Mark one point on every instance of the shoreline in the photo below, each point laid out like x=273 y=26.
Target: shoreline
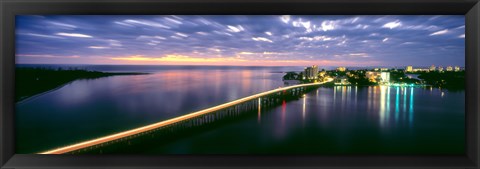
x=331 y=84
x=49 y=80
x=30 y=98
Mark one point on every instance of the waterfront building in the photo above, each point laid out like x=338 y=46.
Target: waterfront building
x=409 y=69
x=449 y=68
x=385 y=77
x=378 y=77
x=373 y=76
x=311 y=72
x=380 y=69
x=341 y=81
x=341 y=69
x=457 y=68
x=421 y=70
x=432 y=68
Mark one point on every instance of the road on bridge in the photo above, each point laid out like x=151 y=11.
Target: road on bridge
x=139 y=130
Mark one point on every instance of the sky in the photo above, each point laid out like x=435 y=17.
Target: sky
x=269 y=40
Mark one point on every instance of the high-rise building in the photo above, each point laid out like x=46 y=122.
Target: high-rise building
x=409 y=69
x=378 y=77
x=432 y=68
x=341 y=69
x=311 y=72
x=341 y=81
x=385 y=77
x=449 y=68
x=457 y=68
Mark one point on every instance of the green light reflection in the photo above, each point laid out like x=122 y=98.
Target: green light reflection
x=411 y=107
x=397 y=102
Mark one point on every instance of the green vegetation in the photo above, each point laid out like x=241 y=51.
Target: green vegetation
x=399 y=76
x=33 y=81
x=293 y=76
x=448 y=80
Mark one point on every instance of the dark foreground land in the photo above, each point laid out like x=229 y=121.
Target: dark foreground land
x=33 y=81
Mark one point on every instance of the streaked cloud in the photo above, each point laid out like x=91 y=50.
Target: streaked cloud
x=63 y=25
x=261 y=53
x=174 y=21
x=285 y=18
x=439 y=32
x=202 y=33
x=146 y=23
x=262 y=39
x=181 y=34
x=235 y=29
x=98 y=47
x=273 y=40
x=123 y=24
x=77 y=35
x=316 y=38
x=46 y=56
x=328 y=25
x=422 y=27
x=392 y=25
x=43 y=36
x=301 y=23
x=115 y=43
x=364 y=55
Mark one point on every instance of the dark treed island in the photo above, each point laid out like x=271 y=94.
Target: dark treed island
x=33 y=81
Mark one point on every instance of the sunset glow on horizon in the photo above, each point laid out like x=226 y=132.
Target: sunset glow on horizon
x=241 y=40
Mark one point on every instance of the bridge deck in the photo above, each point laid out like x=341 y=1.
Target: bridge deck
x=169 y=121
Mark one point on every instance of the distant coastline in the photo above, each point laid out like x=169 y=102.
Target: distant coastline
x=450 y=79
x=32 y=82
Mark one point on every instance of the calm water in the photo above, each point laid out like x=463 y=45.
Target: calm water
x=339 y=120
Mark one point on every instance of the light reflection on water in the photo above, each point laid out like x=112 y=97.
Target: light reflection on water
x=411 y=114
x=328 y=120
x=97 y=107
x=381 y=98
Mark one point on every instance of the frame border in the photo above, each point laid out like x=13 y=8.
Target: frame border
x=10 y=8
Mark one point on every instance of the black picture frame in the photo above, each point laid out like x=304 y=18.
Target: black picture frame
x=10 y=8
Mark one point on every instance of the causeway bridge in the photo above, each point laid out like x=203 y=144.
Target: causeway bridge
x=227 y=110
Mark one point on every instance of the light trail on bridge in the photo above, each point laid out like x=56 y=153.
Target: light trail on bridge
x=153 y=126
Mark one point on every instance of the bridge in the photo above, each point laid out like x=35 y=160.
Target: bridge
x=209 y=115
